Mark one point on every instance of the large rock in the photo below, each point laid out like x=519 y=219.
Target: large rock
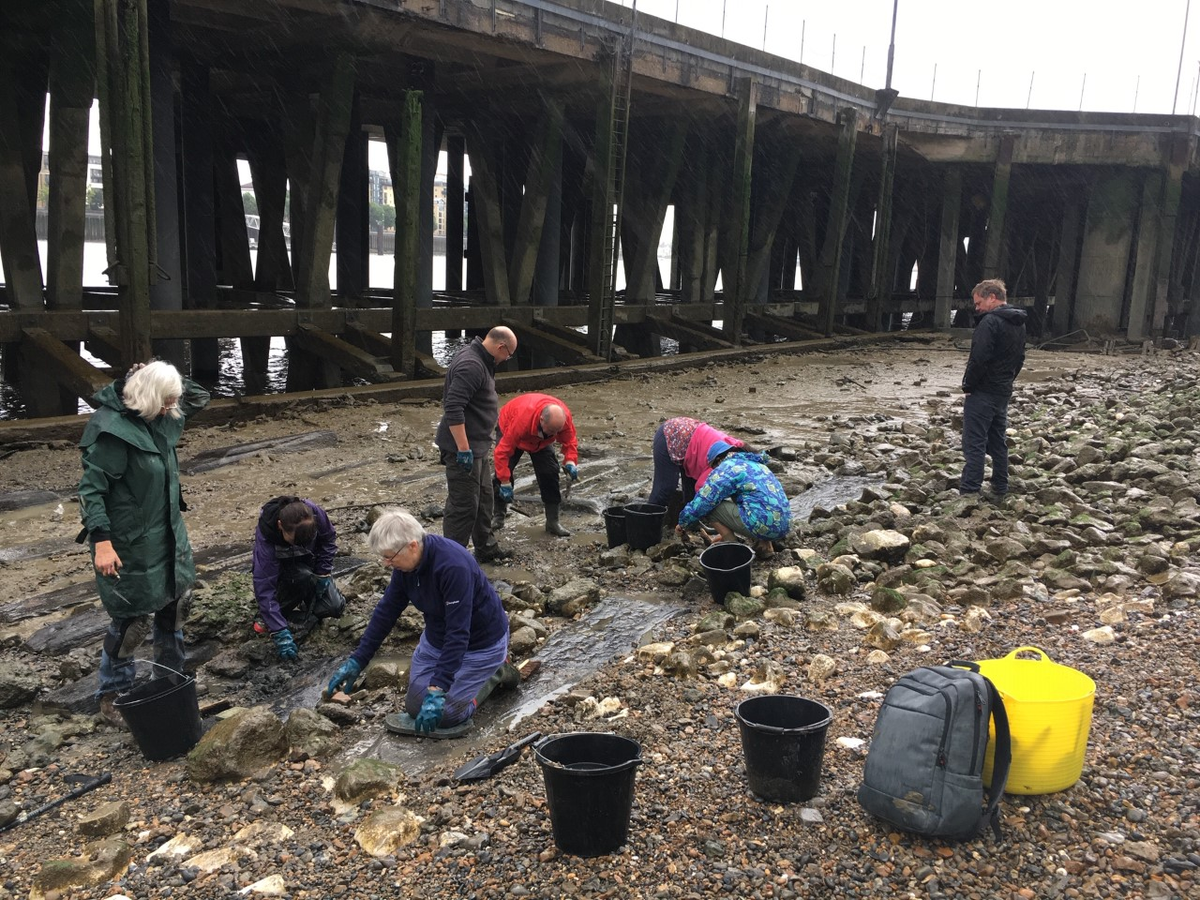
x=310 y=734
x=883 y=544
x=106 y=819
x=239 y=746
x=741 y=607
x=383 y=832
x=887 y=600
x=366 y=777
x=522 y=641
x=18 y=684
x=835 y=578
x=101 y=862
x=573 y=597
x=790 y=579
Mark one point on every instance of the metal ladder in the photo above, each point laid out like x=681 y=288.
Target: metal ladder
x=622 y=81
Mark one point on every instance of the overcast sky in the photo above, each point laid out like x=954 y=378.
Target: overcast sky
x=999 y=44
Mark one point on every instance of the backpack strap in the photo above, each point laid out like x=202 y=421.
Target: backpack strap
x=1001 y=761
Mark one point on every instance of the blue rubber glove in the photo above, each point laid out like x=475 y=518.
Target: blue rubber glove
x=466 y=459
x=432 y=708
x=506 y=493
x=323 y=582
x=343 y=679
x=285 y=644
x=572 y=470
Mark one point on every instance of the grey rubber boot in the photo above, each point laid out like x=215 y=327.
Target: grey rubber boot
x=499 y=513
x=552 y=526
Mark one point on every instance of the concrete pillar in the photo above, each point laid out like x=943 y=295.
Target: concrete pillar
x=993 y=254
x=1104 y=259
x=736 y=281
x=353 y=219
x=1145 y=259
x=1166 y=290
x=1068 y=258
x=546 y=278
x=455 y=154
x=948 y=247
x=199 y=205
x=835 y=229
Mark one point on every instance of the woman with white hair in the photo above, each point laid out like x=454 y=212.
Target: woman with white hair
x=461 y=656
x=132 y=509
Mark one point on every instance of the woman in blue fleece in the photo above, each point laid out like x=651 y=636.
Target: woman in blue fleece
x=461 y=655
x=740 y=496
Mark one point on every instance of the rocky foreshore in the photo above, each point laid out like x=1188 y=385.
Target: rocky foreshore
x=1094 y=558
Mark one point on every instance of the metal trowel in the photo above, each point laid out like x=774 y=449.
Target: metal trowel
x=486 y=766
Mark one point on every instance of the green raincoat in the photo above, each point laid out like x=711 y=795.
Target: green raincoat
x=129 y=494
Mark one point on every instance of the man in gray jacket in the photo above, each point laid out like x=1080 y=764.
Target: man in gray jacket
x=470 y=409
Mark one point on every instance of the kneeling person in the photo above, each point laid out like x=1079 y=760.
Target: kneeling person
x=741 y=496
x=461 y=656
x=294 y=546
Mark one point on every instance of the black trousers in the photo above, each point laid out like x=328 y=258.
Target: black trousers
x=545 y=468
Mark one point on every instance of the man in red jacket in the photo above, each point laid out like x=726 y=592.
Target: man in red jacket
x=530 y=423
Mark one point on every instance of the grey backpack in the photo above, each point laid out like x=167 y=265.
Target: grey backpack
x=924 y=767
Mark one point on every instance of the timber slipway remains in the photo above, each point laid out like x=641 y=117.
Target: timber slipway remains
x=583 y=122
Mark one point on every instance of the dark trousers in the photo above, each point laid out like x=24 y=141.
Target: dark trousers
x=545 y=468
x=300 y=599
x=667 y=475
x=985 y=417
x=468 y=501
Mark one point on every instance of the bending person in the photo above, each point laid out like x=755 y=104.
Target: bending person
x=132 y=508
x=461 y=656
x=530 y=423
x=294 y=547
x=681 y=448
x=740 y=496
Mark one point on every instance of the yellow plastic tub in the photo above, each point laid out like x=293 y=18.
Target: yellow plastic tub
x=1049 y=710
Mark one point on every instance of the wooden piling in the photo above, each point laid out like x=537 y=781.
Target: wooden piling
x=948 y=247
x=406 y=178
x=835 y=229
x=882 y=275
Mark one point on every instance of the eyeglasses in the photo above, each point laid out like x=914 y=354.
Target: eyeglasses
x=170 y=406
x=388 y=557
x=507 y=352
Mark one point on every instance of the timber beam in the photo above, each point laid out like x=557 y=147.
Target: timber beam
x=66 y=367
x=537 y=338
x=695 y=334
x=571 y=336
x=105 y=343
x=342 y=354
x=784 y=328
x=378 y=345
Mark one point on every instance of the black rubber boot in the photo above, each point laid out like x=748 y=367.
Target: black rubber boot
x=499 y=513
x=552 y=526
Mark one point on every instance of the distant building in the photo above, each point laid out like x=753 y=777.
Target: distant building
x=95 y=179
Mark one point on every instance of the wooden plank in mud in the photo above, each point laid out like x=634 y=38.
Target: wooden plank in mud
x=89 y=625
x=21 y=499
x=224 y=456
x=208 y=561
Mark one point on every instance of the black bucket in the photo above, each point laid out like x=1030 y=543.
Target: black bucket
x=614 y=525
x=644 y=524
x=783 y=739
x=726 y=565
x=589 y=789
x=163 y=714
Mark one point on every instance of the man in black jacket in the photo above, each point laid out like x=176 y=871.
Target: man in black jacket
x=470 y=409
x=997 y=354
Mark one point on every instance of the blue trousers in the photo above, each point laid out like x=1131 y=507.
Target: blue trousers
x=985 y=418
x=476 y=668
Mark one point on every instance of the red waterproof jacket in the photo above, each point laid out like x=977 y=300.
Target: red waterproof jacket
x=519 y=419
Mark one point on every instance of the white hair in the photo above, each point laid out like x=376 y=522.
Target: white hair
x=151 y=388
x=394 y=530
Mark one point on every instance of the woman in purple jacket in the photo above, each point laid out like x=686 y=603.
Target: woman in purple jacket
x=294 y=546
x=461 y=656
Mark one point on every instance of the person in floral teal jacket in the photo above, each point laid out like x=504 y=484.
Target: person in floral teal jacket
x=741 y=496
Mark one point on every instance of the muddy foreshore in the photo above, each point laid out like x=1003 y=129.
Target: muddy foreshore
x=1095 y=559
